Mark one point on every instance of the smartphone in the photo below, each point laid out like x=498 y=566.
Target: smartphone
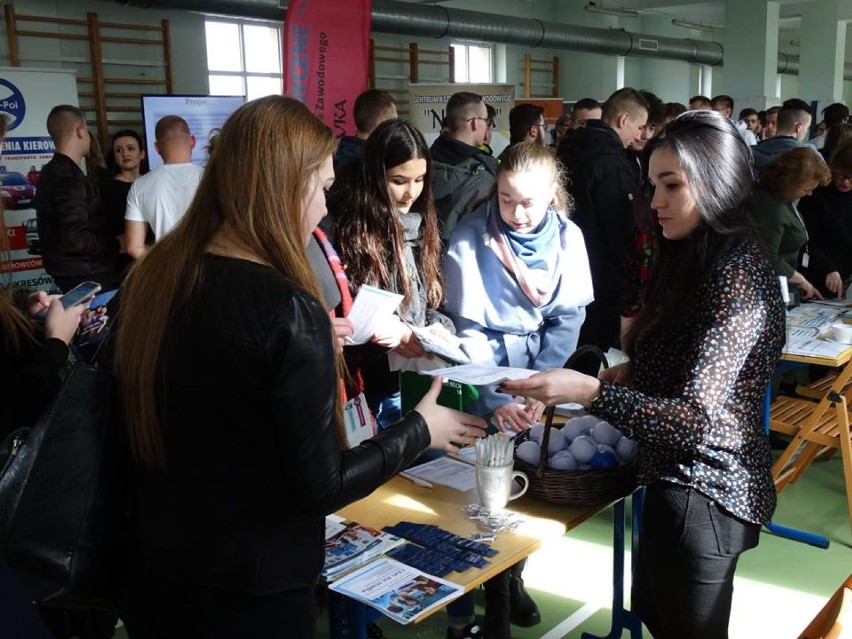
x=80 y=294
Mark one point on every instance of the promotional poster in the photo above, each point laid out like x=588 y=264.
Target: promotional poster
x=428 y=103
x=326 y=57
x=26 y=98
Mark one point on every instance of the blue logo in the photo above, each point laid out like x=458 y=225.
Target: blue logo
x=12 y=104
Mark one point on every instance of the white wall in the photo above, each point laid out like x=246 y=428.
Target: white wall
x=188 y=47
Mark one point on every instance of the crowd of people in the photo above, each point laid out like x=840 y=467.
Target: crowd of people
x=653 y=227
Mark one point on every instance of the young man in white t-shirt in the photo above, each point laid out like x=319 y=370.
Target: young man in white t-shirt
x=160 y=198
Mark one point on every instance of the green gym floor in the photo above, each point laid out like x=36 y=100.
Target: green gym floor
x=779 y=586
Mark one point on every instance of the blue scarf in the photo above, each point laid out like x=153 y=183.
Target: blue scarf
x=532 y=258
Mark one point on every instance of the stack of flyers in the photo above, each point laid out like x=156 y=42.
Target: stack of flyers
x=353 y=546
x=398 y=591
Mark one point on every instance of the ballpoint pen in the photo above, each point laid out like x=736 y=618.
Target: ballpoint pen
x=416 y=480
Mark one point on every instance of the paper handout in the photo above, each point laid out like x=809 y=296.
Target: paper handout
x=401 y=592
x=371 y=307
x=481 y=375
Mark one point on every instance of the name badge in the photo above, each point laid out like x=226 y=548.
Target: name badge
x=358 y=421
x=806 y=259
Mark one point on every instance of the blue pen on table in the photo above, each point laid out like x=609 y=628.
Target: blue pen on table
x=416 y=480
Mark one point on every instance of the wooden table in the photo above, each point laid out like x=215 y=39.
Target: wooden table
x=815 y=421
x=401 y=500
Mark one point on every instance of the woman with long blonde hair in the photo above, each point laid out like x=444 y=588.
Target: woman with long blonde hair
x=227 y=371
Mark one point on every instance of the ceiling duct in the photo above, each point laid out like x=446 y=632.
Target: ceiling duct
x=257 y=9
x=432 y=21
x=436 y=21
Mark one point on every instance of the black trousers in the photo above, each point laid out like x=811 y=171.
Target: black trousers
x=161 y=615
x=688 y=552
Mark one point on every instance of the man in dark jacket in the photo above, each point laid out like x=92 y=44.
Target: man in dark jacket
x=71 y=227
x=603 y=179
x=371 y=108
x=792 y=126
x=462 y=173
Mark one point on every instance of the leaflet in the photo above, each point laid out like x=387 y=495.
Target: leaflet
x=353 y=546
x=446 y=471
x=398 y=591
x=480 y=374
x=371 y=307
x=814 y=347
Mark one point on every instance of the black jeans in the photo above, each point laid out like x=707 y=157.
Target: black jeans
x=688 y=551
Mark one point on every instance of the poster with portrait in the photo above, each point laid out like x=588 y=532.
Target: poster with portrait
x=26 y=98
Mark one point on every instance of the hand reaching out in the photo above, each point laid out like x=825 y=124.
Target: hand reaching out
x=447 y=427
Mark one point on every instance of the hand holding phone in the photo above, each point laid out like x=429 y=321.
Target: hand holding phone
x=79 y=294
x=62 y=323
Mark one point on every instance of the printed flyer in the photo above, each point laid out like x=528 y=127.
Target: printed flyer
x=400 y=592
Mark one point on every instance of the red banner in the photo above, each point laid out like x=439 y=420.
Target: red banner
x=326 y=57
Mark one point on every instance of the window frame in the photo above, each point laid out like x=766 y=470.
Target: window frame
x=480 y=45
x=244 y=74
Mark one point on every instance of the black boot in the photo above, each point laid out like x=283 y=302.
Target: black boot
x=524 y=612
x=496 y=623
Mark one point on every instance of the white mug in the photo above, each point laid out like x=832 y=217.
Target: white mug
x=494 y=485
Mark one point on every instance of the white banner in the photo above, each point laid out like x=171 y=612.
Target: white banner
x=428 y=105
x=26 y=98
x=203 y=114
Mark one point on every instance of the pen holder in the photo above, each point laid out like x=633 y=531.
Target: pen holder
x=495 y=485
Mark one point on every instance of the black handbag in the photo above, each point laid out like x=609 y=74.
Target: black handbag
x=62 y=495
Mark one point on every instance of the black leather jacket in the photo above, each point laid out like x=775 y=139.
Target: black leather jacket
x=253 y=462
x=72 y=229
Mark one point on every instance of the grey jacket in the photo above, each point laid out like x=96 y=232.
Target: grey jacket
x=462 y=176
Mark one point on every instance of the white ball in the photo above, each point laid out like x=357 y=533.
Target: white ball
x=530 y=452
x=583 y=449
x=626 y=449
x=584 y=467
x=556 y=442
x=604 y=433
x=537 y=433
x=562 y=460
x=573 y=428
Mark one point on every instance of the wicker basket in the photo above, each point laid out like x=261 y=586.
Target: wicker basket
x=575 y=487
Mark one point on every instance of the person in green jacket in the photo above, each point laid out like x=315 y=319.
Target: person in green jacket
x=792 y=175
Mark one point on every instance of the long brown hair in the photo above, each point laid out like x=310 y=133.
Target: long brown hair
x=16 y=329
x=368 y=228
x=257 y=199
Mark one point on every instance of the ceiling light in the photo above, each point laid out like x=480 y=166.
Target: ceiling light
x=698 y=26
x=624 y=12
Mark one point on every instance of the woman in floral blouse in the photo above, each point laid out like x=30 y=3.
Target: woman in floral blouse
x=703 y=348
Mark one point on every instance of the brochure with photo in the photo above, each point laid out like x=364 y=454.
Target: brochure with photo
x=353 y=546
x=398 y=591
